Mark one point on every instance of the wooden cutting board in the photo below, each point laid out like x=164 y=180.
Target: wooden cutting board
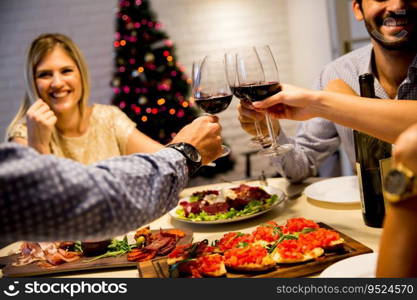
x=158 y=268
x=80 y=265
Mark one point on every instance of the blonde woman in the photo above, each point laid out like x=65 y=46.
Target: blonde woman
x=55 y=117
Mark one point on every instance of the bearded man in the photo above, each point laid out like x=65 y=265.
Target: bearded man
x=390 y=57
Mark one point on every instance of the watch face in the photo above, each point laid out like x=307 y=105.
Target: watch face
x=190 y=151
x=193 y=155
x=396 y=182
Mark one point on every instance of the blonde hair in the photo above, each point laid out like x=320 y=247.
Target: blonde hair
x=38 y=49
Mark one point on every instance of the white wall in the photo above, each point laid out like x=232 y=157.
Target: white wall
x=89 y=23
x=309 y=34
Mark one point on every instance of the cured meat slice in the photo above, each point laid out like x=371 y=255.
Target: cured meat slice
x=216 y=208
x=159 y=243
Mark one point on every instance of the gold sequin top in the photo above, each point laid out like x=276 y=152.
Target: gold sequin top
x=106 y=136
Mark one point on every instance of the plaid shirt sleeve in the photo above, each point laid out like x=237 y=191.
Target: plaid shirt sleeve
x=43 y=197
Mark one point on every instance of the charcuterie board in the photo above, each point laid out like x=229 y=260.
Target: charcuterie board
x=81 y=265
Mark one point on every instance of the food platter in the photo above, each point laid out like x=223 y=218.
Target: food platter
x=236 y=219
x=162 y=268
x=84 y=264
x=273 y=191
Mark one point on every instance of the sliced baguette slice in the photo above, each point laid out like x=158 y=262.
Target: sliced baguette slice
x=221 y=271
x=334 y=245
x=267 y=264
x=316 y=252
x=173 y=260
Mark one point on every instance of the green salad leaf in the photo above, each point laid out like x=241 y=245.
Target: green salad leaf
x=252 y=207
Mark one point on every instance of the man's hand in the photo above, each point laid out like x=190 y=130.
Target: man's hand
x=247 y=117
x=40 y=124
x=204 y=134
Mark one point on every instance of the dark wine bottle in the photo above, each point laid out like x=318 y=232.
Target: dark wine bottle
x=369 y=151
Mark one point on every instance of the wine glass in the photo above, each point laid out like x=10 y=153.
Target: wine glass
x=231 y=73
x=210 y=88
x=258 y=79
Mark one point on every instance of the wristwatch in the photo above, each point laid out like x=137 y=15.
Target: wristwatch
x=400 y=184
x=190 y=153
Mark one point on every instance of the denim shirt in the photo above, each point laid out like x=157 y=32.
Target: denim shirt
x=44 y=198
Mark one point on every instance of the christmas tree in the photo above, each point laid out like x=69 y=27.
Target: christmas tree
x=149 y=85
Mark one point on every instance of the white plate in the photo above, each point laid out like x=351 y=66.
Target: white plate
x=269 y=189
x=343 y=190
x=361 y=266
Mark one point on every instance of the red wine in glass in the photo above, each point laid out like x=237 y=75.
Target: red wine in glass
x=214 y=104
x=258 y=79
x=257 y=91
x=211 y=91
x=232 y=77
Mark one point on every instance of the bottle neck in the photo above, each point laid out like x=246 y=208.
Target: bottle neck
x=366 y=84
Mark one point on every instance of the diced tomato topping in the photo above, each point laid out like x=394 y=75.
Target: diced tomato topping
x=232 y=239
x=290 y=249
x=208 y=250
x=298 y=224
x=267 y=232
x=190 y=267
x=209 y=263
x=253 y=254
x=319 y=238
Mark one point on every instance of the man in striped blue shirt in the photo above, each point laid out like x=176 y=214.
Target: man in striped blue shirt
x=391 y=57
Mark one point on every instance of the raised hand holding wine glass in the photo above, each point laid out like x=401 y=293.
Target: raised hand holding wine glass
x=231 y=73
x=210 y=87
x=258 y=79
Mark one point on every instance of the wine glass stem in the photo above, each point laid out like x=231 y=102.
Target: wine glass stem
x=259 y=134
x=271 y=131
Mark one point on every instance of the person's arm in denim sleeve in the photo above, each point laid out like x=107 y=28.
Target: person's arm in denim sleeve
x=43 y=197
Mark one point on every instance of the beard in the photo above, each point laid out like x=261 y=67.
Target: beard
x=401 y=41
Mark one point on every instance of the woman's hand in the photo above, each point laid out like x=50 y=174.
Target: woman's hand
x=247 y=117
x=40 y=124
x=291 y=103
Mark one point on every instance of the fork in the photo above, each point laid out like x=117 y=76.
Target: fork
x=263 y=179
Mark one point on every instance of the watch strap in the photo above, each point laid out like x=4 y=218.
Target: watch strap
x=191 y=154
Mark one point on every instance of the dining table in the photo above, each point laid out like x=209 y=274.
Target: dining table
x=346 y=218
